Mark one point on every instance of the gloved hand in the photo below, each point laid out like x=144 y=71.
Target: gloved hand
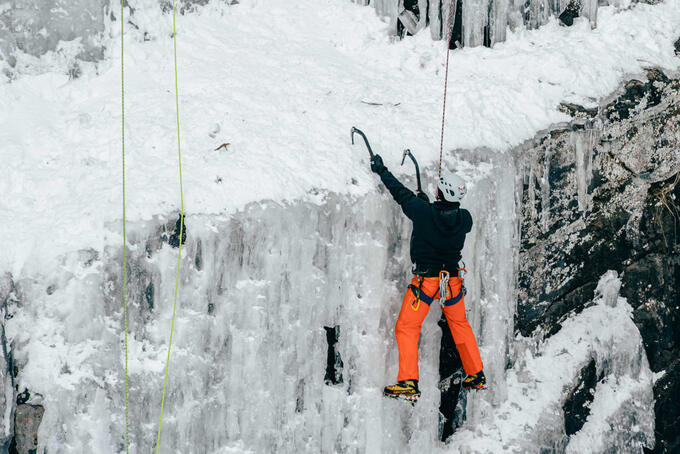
x=377 y=165
x=422 y=195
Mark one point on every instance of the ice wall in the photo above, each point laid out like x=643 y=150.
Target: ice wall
x=37 y=26
x=488 y=20
x=249 y=357
x=72 y=29
x=249 y=352
x=77 y=29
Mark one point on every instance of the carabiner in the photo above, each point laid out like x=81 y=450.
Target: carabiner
x=443 y=286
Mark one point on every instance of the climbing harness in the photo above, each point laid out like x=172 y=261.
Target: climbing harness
x=446 y=83
x=446 y=297
x=181 y=231
x=125 y=315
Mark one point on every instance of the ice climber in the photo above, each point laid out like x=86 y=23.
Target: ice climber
x=438 y=236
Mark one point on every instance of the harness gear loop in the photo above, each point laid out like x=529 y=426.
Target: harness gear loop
x=416 y=303
x=443 y=286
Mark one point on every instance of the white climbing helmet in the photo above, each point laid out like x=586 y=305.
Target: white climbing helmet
x=452 y=186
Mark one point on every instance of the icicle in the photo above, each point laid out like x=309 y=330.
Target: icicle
x=608 y=288
x=589 y=10
x=498 y=21
x=435 y=17
x=545 y=192
x=582 y=141
x=532 y=192
x=386 y=8
x=537 y=13
x=475 y=18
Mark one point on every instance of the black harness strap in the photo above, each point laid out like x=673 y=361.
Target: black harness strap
x=421 y=296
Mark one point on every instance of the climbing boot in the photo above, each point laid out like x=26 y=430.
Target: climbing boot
x=475 y=381
x=406 y=390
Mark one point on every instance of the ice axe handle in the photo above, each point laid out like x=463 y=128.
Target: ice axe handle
x=408 y=153
x=360 y=132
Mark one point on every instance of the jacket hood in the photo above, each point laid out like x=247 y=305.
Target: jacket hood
x=447 y=216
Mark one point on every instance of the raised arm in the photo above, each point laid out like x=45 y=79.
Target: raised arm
x=409 y=202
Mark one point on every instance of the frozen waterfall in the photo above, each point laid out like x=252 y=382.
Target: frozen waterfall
x=249 y=353
x=267 y=284
x=486 y=21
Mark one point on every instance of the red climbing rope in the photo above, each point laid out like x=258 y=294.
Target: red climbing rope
x=446 y=83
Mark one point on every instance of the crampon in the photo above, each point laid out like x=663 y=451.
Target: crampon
x=406 y=390
x=475 y=381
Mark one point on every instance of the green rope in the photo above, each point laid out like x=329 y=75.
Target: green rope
x=125 y=302
x=181 y=230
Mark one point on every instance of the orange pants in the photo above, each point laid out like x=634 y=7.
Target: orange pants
x=411 y=319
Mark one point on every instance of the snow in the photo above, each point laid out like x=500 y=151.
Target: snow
x=287 y=233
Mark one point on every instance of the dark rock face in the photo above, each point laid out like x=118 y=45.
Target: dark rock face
x=300 y=400
x=333 y=360
x=653 y=280
x=9 y=298
x=27 y=419
x=180 y=228
x=21 y=435
x=637 y=92
x=667 y=428
x=578 y=112
x=184 y=7
x=576 y=407
x=604 y=194
x=456 y=39
x=571 y=12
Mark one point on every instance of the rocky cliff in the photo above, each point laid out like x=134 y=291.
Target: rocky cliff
x=602 y=193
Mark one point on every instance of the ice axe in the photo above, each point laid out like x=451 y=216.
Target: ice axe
x=408 y=153
x=361 y=133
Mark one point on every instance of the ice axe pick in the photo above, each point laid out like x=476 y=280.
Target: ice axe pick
x=408 y=153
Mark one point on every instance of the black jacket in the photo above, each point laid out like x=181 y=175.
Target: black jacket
x=439 y=228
